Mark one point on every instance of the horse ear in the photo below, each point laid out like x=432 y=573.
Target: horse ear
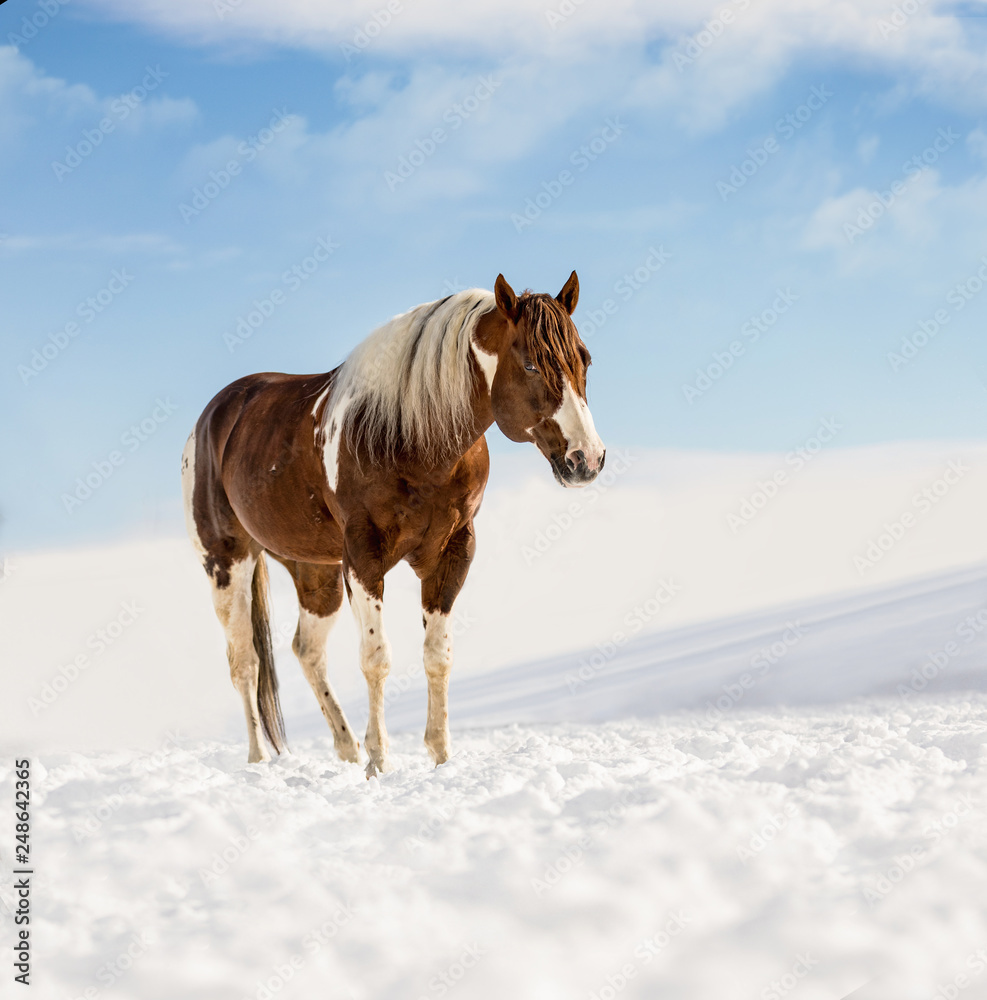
x=569 y=295
x=506 y=299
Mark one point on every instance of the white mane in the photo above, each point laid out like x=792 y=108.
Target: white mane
x=410 y=382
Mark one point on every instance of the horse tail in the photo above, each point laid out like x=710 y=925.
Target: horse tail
x=267 y=685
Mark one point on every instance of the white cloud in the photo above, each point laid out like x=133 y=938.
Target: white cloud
x=870 y=231
x=867 y=147
x=29 y=97
x=716 y=56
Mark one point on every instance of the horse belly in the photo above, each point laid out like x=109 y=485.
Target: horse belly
x=285 y=511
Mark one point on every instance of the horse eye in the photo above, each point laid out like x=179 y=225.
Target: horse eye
x=529 y=367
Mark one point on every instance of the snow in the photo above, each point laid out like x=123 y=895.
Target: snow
x=767 y=782
x=546 y=855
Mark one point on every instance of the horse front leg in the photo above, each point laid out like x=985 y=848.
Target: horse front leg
x=365 y=585
x=439 y=591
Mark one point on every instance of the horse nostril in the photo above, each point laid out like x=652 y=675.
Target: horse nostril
x=603 y=459
x=574 y=460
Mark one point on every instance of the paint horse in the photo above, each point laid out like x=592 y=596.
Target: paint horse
x=341 y=475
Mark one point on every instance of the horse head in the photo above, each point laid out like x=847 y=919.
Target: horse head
x=539 y=388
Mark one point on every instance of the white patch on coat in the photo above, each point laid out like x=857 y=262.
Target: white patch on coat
x=188 y=489
x=576 y=423
x=318 y=403
x=487 y=363
x=334 y=435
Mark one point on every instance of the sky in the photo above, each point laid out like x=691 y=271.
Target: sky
x=777 y=210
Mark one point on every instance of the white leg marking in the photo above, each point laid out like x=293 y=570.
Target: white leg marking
x=232 y=606
x=576 y=423
x=438 y=664
x=375 y=662
x=309 y=645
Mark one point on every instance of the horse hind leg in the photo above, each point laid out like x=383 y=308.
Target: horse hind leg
x=320 y=598
x=236 y=569
x=251 y=670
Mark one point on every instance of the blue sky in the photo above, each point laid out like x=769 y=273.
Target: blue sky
x=114 y=115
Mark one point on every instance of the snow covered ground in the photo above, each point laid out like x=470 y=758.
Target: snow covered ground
x=689 y=761
x=820 y=849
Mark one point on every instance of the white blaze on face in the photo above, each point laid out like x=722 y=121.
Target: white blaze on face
x=576 y=423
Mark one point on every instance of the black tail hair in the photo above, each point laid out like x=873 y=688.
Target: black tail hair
x=267 y=687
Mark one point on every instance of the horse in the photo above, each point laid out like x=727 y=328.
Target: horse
x=341 y=475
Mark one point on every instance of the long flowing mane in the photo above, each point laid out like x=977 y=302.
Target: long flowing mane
x=409 y=385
